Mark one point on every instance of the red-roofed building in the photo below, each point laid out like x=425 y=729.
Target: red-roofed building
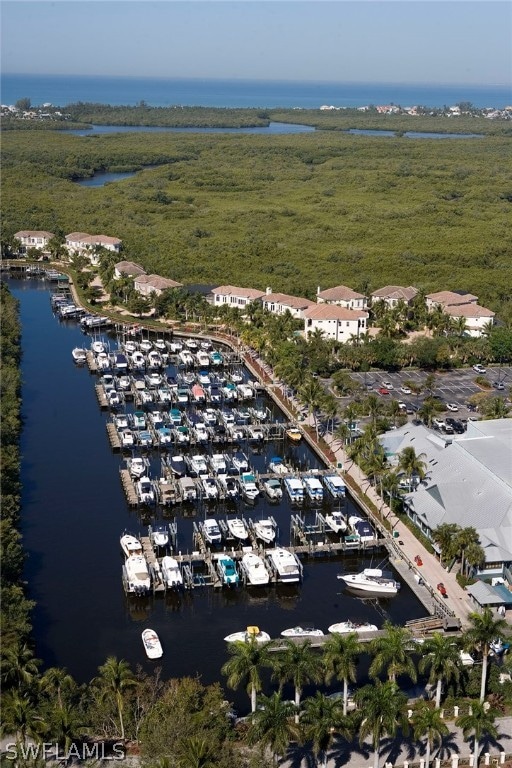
x=342 y=296
x=234 y=296
x=29 y=238
x=335 y=322
x=279 y=303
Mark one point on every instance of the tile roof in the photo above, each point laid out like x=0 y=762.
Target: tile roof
x=395 y=292
x=76 y=237
x=468 y=310
x=339 y=293
x=34 y=233
x=333 y=312
x=296 y=302
x=129 y=268
x=156 y=281
x=451 y=297
x=243 y=293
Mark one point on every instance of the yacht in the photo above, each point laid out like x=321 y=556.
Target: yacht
x=120 y=420
x=130 y=545
x=171 y=572
x=130 y=346
x=245 y=392
x=361 y=528
x=136 y=575
x=203 y=359
x=272 y=488
x=371 y=580
x=255 y=433
x=336 y=521
x=314 y=489
x=286 y=565
x=229 y=486
x=103 y=361
x=226 y=569
x=137 y=360
x=127 y=438
x=211 y=531
x=161 y=345
x=302 y=632
x=238 y=529
x=145 y=490
x=198 y=465
x=295 y=490
x=346 y=627
x=124 y=383
x=98 y=347
x=185 y=358
x=254 y=569
x=237 y=377
x=156 y=419
x=210 y=416
x=248 y=486
x=159 y=535
x=145 y=438
x=240 y=461
x=260 y=414
x=250 y=635
x=335 y=486
x=139 y=420
x=79 y=355
x=265 y=530
x=137 y=466
x=187 y=488
x=191 y=344
x=155 y=359
x=182 y=435
x=218 y=464
x=154 y=380
x=277 y=465
x=146 y=345
x=210 y=489
x=201 y=432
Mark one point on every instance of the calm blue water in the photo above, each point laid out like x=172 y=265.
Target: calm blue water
x=74 y=511
x=271 y=128
x=63 y=89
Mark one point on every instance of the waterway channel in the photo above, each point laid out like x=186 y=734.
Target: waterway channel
x=74 y=511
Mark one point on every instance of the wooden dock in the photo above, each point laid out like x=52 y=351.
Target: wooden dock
x=100 y=394
x=129 y=488
x=91 y=362
x=113 y=437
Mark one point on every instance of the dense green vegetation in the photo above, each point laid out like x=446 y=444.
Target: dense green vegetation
x=292 y=211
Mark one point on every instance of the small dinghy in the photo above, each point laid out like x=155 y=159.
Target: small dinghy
x=152 y=644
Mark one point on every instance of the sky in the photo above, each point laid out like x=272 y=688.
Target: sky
x=430 y=41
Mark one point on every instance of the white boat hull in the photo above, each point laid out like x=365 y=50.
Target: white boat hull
x=382 y=588
x=152 y=644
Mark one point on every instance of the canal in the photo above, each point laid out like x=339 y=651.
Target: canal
x=74 y=511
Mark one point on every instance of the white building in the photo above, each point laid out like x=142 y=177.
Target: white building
x=279 y=303
x=342 y=296
x=393 y=294
x=38 y=239
x=149 y=284
x=335 y=322
x=234 y=296
x=82 y=243
x=477 y=317
x=448 y=298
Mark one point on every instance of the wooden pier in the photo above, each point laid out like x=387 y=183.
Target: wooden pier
x=91 y=362
x=102 y=398
x=129 y=488
x=113 y=437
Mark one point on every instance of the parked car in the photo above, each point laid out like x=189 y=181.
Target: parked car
x=402 y=406
x=452 y=407
x=479 y=368
x=406 y=390
x=437 y=423
x=388 y=385
x=383 y=391
x=498 y=385
x=458 y=427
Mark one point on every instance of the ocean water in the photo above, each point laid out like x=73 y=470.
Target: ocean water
x=66 y=89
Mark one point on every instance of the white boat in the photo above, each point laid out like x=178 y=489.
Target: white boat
x=161 y=345
x=203 y=358
x=302 y=632
x=314 y=489
x=255 y=433
x=254 y=569
x=198 y=465
x=144 y=438
x=154 y=380
x=130 y=347
x=152 y=644
x=177 y=465
x=103 y=361
x=159 y=535
x=265 y=530
x=171 y=572
x=250 y=635
x=210 y=416
x=335 y=486
x=187 y=488
x=113 y=398
x=155 y=359
x=127 y=438
x=124 y=383
x=136 y=575
x=286 y=565
x=240 y=461
x=201 y=432
x=164 y=436
x=185 y=358
x=226 y=569
x=229 y=486
x=371 y=580
x=98 y=347
x=248 y=486
x=295 y=489
x=156 y=419
x=361 y=527
x=139 y=420
x=260 y=414
x=238 y=528
x=192 y=344
x=218 y=464
x=130 y=545
x=137 y=466
x=146 y=345
x=336 y=521
x=245 y=392
x=137 y=360
x=79 y=355
x=346 y=627
x=211 y=531
x=120 y=420
x=272 y=488
x=210 y=489
x=145 y=490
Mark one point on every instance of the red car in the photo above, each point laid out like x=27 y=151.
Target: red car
x=418 y=560
x=442 y=589
x=383 y=391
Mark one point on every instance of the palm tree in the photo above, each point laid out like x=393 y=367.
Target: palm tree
x=245 y=665
x=444 y=536
x=19 y=716
x=19 y=667
x=440 y=655
x=383 y=707
x=483 y=630
x=393 y=652
x=480 y=721
x=114 y=680
x=322 y=717
x=412 y=464
x=54 y=681
x=66 y=725
x=340 y=656
x=463 y=539
x=311 y=394
x=296 y=664
x=429 y=723
x=196 y=752
x=427 y=411
x=272 y=725
x=474 y=556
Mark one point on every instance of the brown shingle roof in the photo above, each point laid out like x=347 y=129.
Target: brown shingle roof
x=339 y=293
x=243 y=293
x=333 y=312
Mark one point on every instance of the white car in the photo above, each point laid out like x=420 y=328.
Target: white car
x=479 y=368
x=402 y=406
x=388 y=385
x=406 y=390
x=452 y=407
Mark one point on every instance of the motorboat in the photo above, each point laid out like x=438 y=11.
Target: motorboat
x=130 y=346
x=226 y=569
x=242 y=416
x=255 y=433
x=302 y=632
x=250 y=635
x=164 y=436
x=286 y=565
x=371 y=580
x=136 y=575
x=314 y=489
x=144 y=438
x=198 y=394
x=229 y=486
x=294 y=434
x=152 y=644
x=254 y=569
x=175 y=347
x=277 y=465
x=218 y=464
x=120 y=361
x=137 y=360
x=265 y=530
x=120 y=420
x=124 y=383
x=336 y=521
x=240 y=461
x=159 y=535
x=139 y=420
x=238 y=528
x=156 y=419
x=137 y=466
x=245 y=392
x=155 y=359
x=210 y=416
x=177 y=465
x=216 y=358
x=79 y=355
x=272 y=488
x=160 y=344
x=126 y=438
x=237 y=377
x=154 y=380
x=201 y=432
x=182 y=435
x=185 y=358
x=171 y=572
x=295 y=490
x=248 y=487
x=361 y=527
x=198 y=465
x=113 y=398
x=191 y=344
x=175 y=417
x=210 y=489
x=335 y=485
x=130 y=545
x=214 y=394
x=206 y=345
x=211 y=531
x=260 y=414
x=229 y=391
x=97 y=347
x=346 y=627
x=103 y=361
x=146 y=345
x=145 y=490
x=187 y=378
x=203 y=358
x=187 y=488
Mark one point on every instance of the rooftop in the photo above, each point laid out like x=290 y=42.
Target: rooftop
x=333 y=312
x=339 y=293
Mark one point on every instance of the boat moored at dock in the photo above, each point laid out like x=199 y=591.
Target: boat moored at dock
x=335 y=485
x=302 y=632
x=371 y=580
x=250 y=635
x=254 y=569
x=286 y=565
x=347 y=627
